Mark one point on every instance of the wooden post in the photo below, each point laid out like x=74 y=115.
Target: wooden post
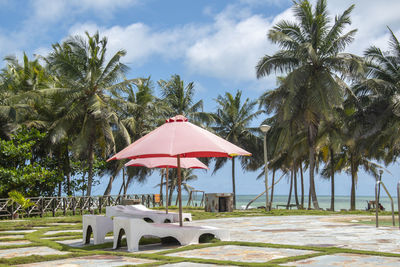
x=54 y=206
x=90 y=206
x=65 y=205
x=12 y=210
x=81 y=202
x=41 y=207
x=100 y=204
x=73 y=205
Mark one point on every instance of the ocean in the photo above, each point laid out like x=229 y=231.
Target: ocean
x=341 y=202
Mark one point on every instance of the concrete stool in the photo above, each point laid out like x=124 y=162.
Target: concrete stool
x=136 y=228
x=99 y=225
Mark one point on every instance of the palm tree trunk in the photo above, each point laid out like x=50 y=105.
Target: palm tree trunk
x=127 y=182
x=171 y=190
x=90 y=172
x=309 y=198
x=302 y=185
x=290 y=190
x=332 y=182
x=109 y=186
x=353 y=184
x=272 y=186
x=233 y=183
x=312 y=184
x=68 y=171
x=296 y=197
x=59 y=168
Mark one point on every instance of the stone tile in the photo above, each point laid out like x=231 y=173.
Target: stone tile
x=91 y=261
x=337 y=260
x=13 y=243
x=323 y=231
x=19 y=231
x=11 y=236
x=23 y=252
x=79 y=242
x=191 y=264
x=240 y=253
x=61 y=223
x=62 y=231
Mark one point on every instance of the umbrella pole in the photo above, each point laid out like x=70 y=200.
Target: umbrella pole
x=166 y=190
x=179 y=190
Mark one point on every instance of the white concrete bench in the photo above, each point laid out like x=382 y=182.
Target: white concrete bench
x=141 y=212
x=98 y=225
x=135 y=229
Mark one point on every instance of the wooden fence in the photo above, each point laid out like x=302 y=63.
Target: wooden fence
x=10 y=209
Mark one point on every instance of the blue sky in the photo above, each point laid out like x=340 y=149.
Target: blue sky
x=215 y=44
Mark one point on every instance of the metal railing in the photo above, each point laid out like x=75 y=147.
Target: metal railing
x=391 y=202
x=74 y=204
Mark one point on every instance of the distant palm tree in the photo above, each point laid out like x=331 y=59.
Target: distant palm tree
x=20 y=101
x=310 y=55
x=88 y=83
x=233 y=120
x=330 y=144
x=180 y=100
x=140 y=112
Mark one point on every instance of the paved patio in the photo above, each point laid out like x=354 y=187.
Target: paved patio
x=322 y=231
x=316 y=231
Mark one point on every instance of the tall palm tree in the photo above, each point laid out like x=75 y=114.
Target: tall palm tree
x=379 y=98
x=233 y=120
x=330 y=143
x=140 y=112
x=88 y=82
x=180 y=99
x=310 y=55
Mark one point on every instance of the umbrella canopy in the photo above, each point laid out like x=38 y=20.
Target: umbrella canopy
x=186 y=163
x=181 y=139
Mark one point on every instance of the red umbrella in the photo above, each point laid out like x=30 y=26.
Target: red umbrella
x=180 y=138
x=186 y=163
x=165 y=162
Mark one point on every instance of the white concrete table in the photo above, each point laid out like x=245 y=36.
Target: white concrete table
x=135 y=229
x=141 y=212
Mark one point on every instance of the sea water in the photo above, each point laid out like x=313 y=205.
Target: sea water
x=341 y=202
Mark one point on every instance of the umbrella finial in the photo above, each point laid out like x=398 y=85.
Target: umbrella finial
x=177 y=118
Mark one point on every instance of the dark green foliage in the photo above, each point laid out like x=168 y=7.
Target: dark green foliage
x=22 y=169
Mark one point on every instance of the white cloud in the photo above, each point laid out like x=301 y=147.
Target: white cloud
x=371 y=18
x=232 y=50
x=57 y=10
x=142 y=42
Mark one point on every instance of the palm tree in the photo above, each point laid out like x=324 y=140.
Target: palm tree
x=379 y=98
x=180 y=99
x=233 y=119
x=310 y=55
x=140 y=112
x=88 y=83
x=330 y=143
x=20 y=101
